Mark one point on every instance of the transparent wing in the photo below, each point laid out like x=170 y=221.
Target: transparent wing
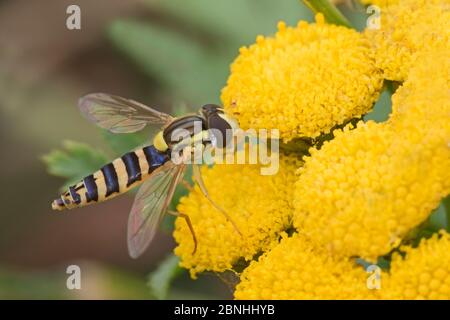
x=150 y=205
x=119 y=115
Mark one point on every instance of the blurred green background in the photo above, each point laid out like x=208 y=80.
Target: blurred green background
x=171 y=54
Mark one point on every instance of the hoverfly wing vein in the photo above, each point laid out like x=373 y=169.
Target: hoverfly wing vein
x=150 y=206
x=120 y=115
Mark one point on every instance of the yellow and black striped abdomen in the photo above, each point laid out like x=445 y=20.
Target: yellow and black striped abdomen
x=112 y=179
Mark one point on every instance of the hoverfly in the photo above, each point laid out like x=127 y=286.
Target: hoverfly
x=150 y=166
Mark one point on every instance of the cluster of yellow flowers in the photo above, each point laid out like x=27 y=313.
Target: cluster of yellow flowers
x=260 y=216
x=294 y=269
x=424 y=272
x=407 y=27
x=363 y=191
x=422 y=102
x=302 y=81
x=359 y=195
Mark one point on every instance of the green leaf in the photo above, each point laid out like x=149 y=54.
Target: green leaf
x=182 y=64
x=120 y=284
x=159 y=280
x=435 y=222
x=382 y=108
x=74 y=161
x=224 y=21
x=382 y=262
x=191 y=58
x=446 y=206
x=330 y=12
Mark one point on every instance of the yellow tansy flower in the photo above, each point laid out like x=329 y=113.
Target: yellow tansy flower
x=364 y=190
x=294 y=269
x=423 y=101
x=424 y=273
x=259 y=205
x=304 y=81
x=361 y=193
x=406 y=29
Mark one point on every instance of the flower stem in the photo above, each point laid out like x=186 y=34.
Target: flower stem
x=330 y=12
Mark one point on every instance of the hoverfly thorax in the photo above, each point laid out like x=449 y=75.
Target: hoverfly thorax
x=221 y=126
x=182 y=128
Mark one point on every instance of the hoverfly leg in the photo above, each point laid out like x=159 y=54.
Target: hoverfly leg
x=188 y=221
x=197 y=175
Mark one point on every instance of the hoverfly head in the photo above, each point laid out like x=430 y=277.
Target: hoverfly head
x=221 y=126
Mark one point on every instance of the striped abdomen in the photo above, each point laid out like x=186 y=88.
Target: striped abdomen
x=112 y=179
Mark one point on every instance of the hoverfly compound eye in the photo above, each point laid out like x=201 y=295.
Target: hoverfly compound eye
x=221 y=130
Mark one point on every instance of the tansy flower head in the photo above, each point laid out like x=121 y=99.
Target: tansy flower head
x=364 y=190
x=422 y=103
x=304 y=81
x=259 y=205
x=406 y=29
x=424 y=273
x=357 y=195
x=295 y=269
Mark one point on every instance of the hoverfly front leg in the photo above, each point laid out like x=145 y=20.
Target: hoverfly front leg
x=197 y=175
x=188 y=221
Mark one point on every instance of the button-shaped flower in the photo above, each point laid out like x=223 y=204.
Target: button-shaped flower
x=304 y=81
x=261 y=207
x=407 y=28
x=423 y=272
x=295 y=269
